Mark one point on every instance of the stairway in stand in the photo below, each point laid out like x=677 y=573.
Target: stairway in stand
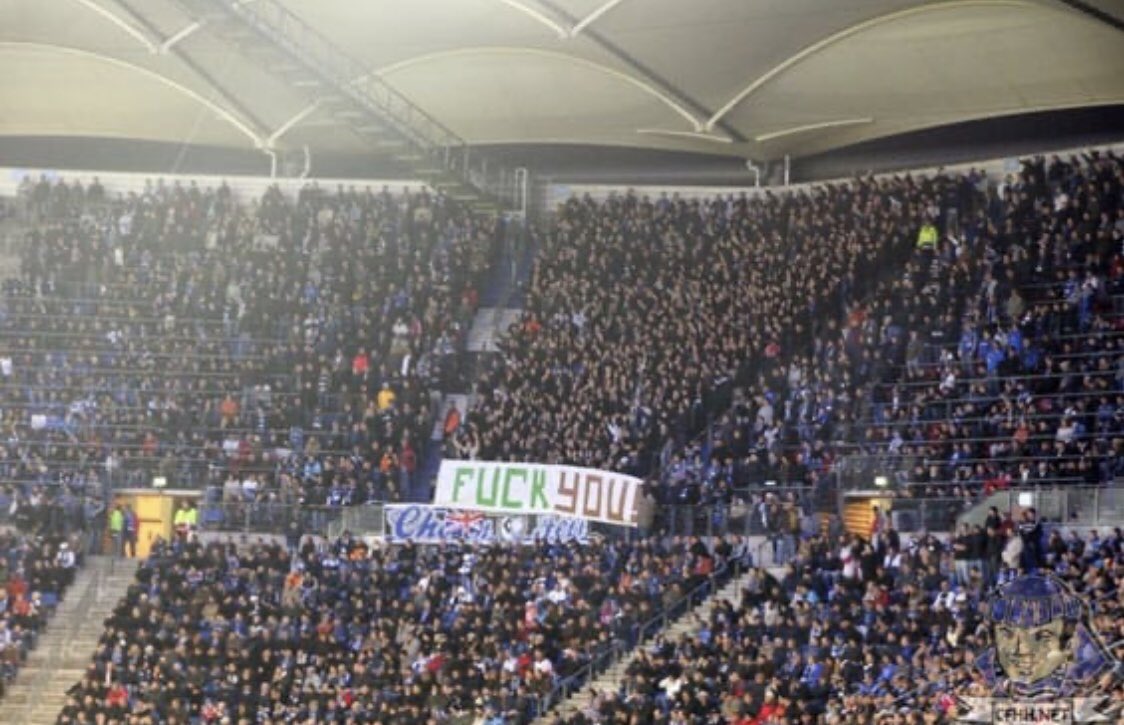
x=489 y=326
x=610 y=679
x=67 y=643
x=12 y=232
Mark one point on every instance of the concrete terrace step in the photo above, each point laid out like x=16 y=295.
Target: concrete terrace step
x=611 y=677
x=464 y=403
x=489 y=326
x=64 y=650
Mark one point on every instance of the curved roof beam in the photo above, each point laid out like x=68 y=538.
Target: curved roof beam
x=293 y=121
x=944 y=121
x=592 y=17
x=539 y=17
x=685 y=134
x=121 y=23
x=183 y=34
x=648 y=88
x=845 y=33
x=180 y=88
x=811 y=127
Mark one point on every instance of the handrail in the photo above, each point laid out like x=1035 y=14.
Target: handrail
x=958 y=364
x=935 y=382
x=159 y=456
x=1029 y=417
x=921 y=457
x=955 y=343
x=1056 y=504
x=859 y=448
x=255 y=342
x=566 y=687
x=142 y=373
x=87 y=426
x=132 y=319
x=59 y=650
x=1015 y=483
x=1055 y=283
x=193 y=339
x=929 y=457
x=269 y=518
x=222 y=356
x=100 y=388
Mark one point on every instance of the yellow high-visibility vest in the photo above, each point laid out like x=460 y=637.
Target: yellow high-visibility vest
x=927 y=237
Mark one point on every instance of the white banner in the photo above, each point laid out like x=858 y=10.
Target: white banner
x=426 y=524
x=533 y=488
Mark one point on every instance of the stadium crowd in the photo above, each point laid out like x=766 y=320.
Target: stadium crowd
x=966 y=338
x=47 y=510
x=963 y=337
x=280 y=348
x=347 y=632
x=880 y=631
x=35 y=572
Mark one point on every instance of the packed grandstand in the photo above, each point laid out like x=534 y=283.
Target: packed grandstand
x=742 y=355
x=178 y=333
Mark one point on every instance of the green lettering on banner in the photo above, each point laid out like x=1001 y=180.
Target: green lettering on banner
x=481 y=499
x=509 y=474
x=538 y=491
x=462 y=476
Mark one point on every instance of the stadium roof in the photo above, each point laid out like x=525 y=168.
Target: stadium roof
x=749 y=78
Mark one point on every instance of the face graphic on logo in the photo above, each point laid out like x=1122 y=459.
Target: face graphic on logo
x=1044 y=654
x=1030 y=654
x=1042 y=639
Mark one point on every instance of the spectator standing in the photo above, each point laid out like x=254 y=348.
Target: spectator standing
x=1030 y=531
x=878 y=522
x=66 y=563
x=117 y=529
x=962 y=553
x=130 y=529
x=994 y=544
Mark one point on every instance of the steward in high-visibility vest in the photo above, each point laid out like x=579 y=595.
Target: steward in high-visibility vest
x=117 y=529
x=116 y=521
x=185 y=519
x=927 y=237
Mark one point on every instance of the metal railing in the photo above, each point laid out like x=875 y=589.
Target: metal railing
x=267 y=518
x=993 y=379
x=359 y=520
x=931 y=513
x=708 y=519
x=638 y=634
x=861 y=471
x=289 y=32
x=1059 y=505
x=355 y=81
x=71 y=515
